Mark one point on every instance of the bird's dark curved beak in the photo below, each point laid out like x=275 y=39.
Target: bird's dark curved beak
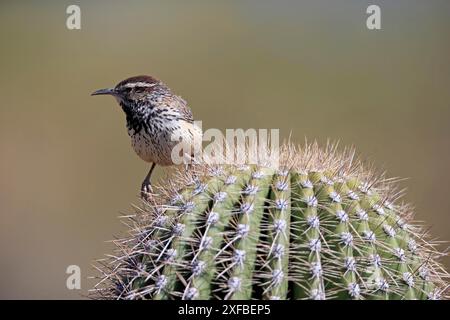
x=110 y=91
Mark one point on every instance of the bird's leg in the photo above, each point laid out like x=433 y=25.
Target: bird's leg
x=146 y=185
x=189 y=165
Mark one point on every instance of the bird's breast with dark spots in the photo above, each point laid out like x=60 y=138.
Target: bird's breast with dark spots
x=151 y=128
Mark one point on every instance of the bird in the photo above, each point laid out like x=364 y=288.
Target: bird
x=157 y=122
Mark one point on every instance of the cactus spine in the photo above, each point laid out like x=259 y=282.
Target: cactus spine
x=321 y=227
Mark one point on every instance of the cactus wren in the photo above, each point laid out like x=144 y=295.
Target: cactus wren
x=154 y=117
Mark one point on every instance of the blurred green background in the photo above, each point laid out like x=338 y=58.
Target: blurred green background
x=311 y=67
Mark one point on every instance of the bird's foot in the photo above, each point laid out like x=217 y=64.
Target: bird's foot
x=146 y=190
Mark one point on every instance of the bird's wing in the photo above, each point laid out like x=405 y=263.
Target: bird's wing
x=185 y=111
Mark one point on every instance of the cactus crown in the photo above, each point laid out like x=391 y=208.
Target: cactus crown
x=322 y=226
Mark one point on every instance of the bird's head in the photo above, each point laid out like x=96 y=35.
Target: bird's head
x=132 y=89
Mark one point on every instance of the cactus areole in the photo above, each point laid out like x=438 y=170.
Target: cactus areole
x=320 y=226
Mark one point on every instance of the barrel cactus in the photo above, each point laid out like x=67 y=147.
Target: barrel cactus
x=320 y=226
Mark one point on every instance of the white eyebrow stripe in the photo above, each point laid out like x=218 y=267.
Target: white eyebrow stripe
x=139 y=84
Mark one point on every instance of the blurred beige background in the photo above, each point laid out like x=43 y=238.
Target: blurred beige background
x=311 y=67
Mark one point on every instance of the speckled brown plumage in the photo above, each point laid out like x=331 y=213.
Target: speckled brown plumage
x=154 y=117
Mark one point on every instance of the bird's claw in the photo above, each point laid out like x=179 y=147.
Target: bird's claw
x=146 y=190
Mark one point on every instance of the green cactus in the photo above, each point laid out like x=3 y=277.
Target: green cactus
x=321 y=226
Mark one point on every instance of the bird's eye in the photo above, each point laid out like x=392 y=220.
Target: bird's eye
x=139 y=89
x=125 y=90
